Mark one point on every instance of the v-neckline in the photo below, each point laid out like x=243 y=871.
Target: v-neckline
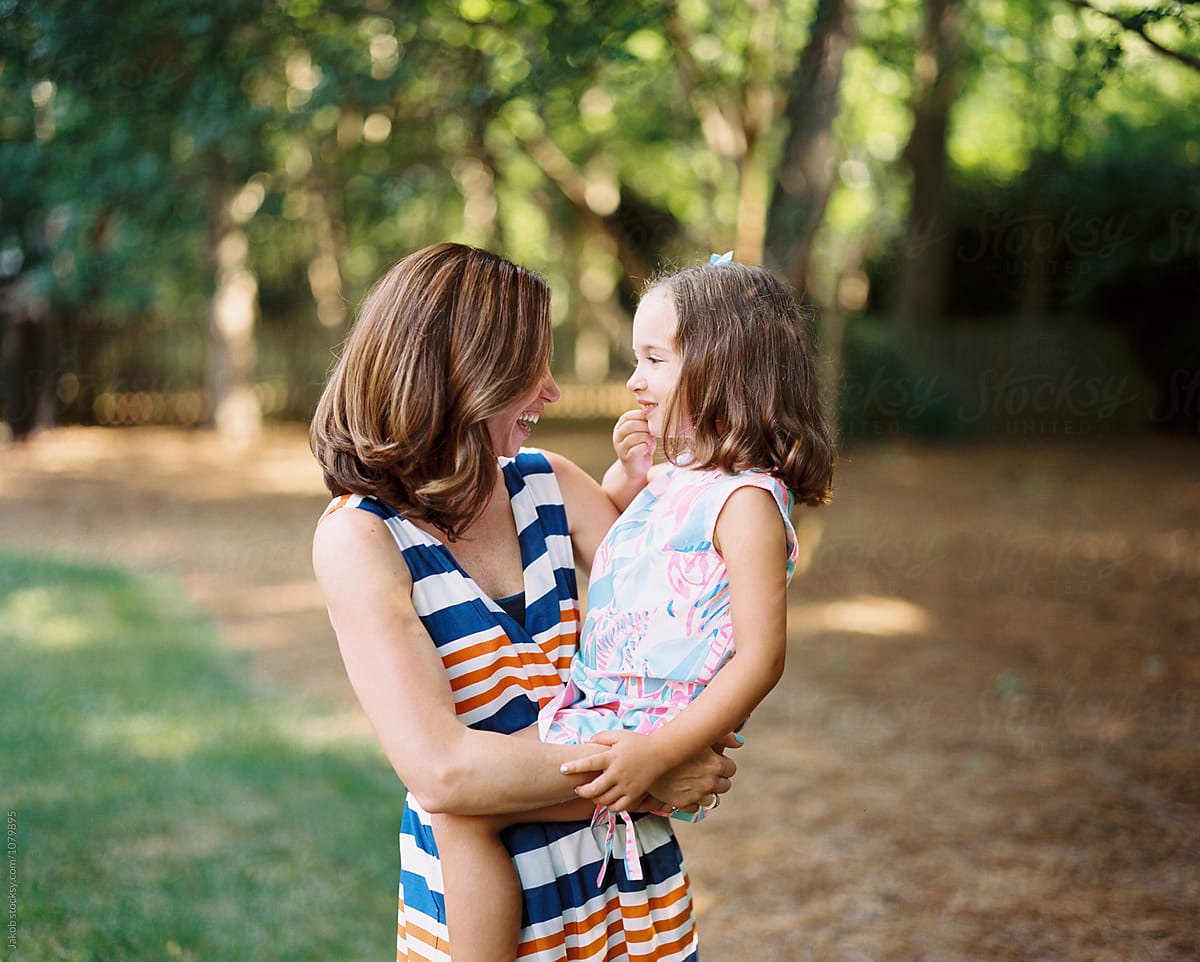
x=488 y=600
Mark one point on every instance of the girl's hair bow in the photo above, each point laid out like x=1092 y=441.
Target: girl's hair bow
x=718 y=259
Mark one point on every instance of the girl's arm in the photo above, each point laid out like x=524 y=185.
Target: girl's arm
x=750 y=537
x=401 y=683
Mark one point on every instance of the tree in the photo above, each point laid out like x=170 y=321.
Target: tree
x=807 y=171
x=923 y=258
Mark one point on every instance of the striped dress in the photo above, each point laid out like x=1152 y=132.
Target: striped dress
x=502 y=673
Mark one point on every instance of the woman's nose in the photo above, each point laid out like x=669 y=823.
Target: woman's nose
x=550 y=391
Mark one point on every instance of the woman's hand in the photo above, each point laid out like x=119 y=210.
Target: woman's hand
x=696 y=780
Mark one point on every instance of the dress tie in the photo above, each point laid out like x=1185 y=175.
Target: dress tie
x=633 y=861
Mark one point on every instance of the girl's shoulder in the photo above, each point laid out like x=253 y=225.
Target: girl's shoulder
x=722 y=482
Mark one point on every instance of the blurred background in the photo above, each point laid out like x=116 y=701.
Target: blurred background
x=992 y=206
x=987 y=743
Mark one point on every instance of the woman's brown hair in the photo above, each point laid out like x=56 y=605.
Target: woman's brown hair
x=747 y=395
x=448 y=337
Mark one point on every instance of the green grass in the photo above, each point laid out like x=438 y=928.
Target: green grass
x=166 y=807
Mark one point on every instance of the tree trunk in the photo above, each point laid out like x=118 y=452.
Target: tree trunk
x=324 y=270
x=806 y=173
x=758 y=115
x=923 y=261
x=30 y=348
x=232 y=356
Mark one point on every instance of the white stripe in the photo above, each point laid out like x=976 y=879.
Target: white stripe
x=434 y=592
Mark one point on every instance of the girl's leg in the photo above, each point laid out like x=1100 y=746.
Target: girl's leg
x=483 y=894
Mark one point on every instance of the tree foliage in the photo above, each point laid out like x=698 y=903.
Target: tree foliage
x=157 y=154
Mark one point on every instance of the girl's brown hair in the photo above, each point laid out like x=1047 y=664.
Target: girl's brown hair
x=448 y=337
x=747 y=395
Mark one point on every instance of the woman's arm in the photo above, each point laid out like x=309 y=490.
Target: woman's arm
x=751 y=538
x=402 y=686
x=590 y=512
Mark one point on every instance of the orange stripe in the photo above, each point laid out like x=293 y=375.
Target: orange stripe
x=558 y=939
x=427 y=938
x=655 y=904
x=620 y=913
x=338 y=502
x=661 y=949
x=469 y=678
x=530 y=672
x=659 y=925
x=470 y=704
x=484 y=647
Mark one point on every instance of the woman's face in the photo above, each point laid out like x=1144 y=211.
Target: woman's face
x=511 y=428
x=658 y=362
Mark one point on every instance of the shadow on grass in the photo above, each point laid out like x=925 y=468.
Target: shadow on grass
x=159 y=806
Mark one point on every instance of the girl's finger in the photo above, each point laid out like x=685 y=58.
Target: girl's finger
x=580 y=766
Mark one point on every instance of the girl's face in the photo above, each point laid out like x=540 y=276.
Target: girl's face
x=658 y=362
x=511 y=428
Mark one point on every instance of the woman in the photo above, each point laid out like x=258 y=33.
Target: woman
x=449 y=578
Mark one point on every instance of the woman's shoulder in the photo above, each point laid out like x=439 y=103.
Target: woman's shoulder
x=353 y=534
x=349 y=520
x=363 y=502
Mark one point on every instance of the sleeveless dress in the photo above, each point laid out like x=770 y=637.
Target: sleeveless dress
x=658 y=627
x=501 y=674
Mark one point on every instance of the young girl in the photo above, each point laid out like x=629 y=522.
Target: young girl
x=687 y=598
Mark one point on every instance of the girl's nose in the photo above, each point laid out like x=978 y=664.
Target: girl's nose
x=635 y=379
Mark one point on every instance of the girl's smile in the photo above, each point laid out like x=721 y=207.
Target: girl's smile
x=658 y=362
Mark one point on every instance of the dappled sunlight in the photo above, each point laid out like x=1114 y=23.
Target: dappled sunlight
x=317 y=732
x=260 y=600
x=39 y=615
x=194 y=465
x=861 y=614
x=151 y=736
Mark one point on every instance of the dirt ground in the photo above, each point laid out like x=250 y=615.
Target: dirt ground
x=987 y=742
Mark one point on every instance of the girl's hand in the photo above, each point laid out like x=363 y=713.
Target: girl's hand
x=634 y=445
x=626 y=770
x=684 y=786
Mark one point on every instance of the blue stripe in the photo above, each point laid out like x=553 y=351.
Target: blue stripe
x=520 y=712
x=533 y=542
x=450 y=624
x=530 y=462
x=553 y=518
x=543 y=612
x=378 y=508
x=417 y=892
x=546 y=901
x=420 y=897
x=427 y=559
